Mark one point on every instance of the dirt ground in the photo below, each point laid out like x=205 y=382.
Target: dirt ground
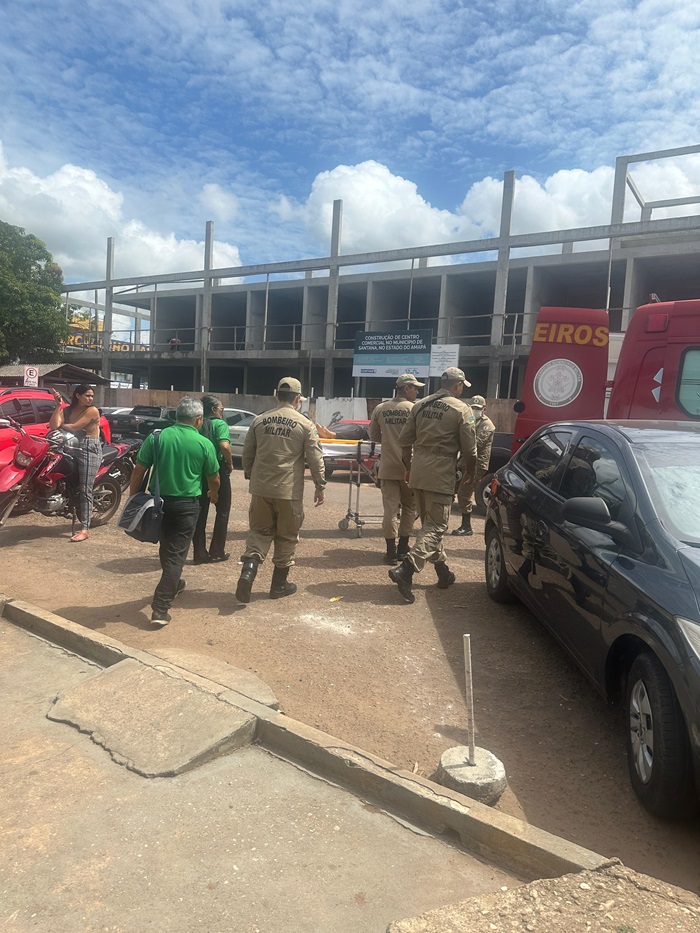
x=347 y=655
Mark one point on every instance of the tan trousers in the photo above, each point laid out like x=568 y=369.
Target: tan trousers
x=434 y=512
x=274 y=520
x=396 y=493
x=466 y=491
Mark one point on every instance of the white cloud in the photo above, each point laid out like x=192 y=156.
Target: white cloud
x=380 y=210
x=74 y=212
x=219 y=204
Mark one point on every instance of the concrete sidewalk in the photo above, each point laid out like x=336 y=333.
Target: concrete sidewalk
x=236 y=838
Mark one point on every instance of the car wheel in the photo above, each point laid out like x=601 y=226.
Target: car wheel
x=495 y=567
x=484 y=482
x=658 y=749
x=106 y=499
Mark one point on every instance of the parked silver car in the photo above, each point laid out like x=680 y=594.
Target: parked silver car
x=234 y=416
x=237 y=435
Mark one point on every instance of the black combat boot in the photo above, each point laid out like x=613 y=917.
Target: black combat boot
x=466 y=527
x=390 y=556
x=402 y=576
x=403 y=548
x=444 y=574
x=279 y=587
x=245 y=581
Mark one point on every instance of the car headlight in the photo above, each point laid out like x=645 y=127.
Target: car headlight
x=691 y=630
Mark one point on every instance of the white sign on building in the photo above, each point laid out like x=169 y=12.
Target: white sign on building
x=442 y=357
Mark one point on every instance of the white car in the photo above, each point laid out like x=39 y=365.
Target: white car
x=234 y=416
x=237 y=435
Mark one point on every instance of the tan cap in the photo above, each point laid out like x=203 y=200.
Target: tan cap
x=289 y=384
x=455 y=375
x=408 y=379
x=478 y=401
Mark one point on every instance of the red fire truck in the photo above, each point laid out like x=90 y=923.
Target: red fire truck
x=567 y=377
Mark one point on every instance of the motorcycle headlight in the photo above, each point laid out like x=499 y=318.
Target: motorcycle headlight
x=691 y=630
x=22 y=459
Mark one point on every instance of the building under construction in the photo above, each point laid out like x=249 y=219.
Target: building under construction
x=240 y=329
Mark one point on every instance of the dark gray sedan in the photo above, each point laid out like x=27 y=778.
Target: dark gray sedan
x=595 y=526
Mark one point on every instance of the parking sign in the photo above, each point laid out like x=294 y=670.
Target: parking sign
x=31 y=376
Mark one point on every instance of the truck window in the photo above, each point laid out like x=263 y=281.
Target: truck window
x=688 y=391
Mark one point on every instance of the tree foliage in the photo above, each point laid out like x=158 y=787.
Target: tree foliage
x=32 y=321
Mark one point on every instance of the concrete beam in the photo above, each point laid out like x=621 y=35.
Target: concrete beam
x=519 y=241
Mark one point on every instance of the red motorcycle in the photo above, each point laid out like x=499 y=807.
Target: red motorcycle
x=43 y=476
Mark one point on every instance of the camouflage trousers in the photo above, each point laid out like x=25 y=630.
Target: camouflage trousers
x=274 y=521
x=396 y=495
x=466 y=490
x=434 y=513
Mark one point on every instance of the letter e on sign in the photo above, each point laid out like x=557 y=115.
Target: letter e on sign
x=31 y=376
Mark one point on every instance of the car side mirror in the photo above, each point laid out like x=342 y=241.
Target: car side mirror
x=591 y=512
x=587 y=511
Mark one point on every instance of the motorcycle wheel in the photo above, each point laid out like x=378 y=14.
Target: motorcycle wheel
x=7 y=503
x=107 y=497
x=24 y=506
x=122 y=475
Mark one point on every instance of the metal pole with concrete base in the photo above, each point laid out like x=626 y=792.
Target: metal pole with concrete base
x=468 y=769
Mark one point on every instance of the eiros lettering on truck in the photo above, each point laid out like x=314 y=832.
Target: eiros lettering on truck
x=581 y=334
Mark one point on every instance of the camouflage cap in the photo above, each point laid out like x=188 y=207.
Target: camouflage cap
x=478 y=401
x=455 y=375
x=408 y=379
x=289 y=384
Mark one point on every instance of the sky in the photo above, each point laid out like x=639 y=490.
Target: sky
x=144 y=121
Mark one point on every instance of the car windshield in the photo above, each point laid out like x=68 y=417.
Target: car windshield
x=672 y=475
x=245 y=422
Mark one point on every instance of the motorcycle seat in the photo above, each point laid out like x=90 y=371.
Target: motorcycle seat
x=109 y=453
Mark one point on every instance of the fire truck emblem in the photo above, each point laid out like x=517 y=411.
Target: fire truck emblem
x=558 y=383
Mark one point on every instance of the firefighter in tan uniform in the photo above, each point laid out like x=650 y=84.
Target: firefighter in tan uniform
x=388 y=420
x=439 y=429
x=485 y=429
x=278 y=446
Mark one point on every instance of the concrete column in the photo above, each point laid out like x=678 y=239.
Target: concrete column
x=501 y=288
x=153 y=324
x=443 y=329
x=617 y=213
x=630 y=298
x=333 y=285
x=529 y=310
x=109 y=297
x=205 y=333
x=494 y=379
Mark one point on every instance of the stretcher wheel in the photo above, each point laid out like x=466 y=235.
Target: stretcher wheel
x=343 y=524
x=358 y=533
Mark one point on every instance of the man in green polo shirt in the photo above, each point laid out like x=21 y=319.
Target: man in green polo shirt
x=184 y=457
